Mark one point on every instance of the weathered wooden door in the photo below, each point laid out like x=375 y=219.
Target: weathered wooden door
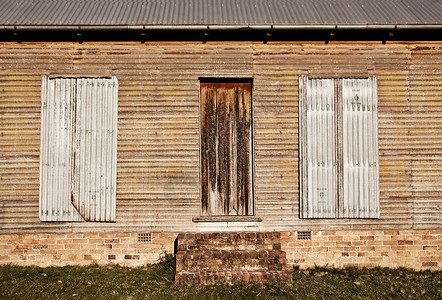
x=226 y=149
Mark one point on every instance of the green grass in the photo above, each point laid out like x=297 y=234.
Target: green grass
x=156 y=282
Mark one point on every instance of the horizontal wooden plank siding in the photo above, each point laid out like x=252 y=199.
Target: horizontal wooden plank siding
x=425 y=134
x=158 y=156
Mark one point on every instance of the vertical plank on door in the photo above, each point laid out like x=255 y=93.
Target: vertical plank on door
x=244 y=150
x=208 y=147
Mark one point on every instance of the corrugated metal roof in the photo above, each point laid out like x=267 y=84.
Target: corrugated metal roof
x=220 y=12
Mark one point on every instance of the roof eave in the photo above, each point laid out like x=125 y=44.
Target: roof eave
x=220 y=27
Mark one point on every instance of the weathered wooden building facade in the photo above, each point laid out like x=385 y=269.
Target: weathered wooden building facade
x=124 y=124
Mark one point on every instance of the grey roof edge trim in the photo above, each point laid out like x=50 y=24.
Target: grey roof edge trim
x=217 y=27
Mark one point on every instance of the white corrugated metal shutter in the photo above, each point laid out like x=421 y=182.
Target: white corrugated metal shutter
x=338 y=148
x=95 y=146
x=360 y=149
x=320 y=155
x=55 y=150
x=78 y=149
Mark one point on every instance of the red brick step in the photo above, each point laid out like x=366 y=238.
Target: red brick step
x=230 y=257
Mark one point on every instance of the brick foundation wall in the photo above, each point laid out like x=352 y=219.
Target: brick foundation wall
x=415 y=249
x=83 y=249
